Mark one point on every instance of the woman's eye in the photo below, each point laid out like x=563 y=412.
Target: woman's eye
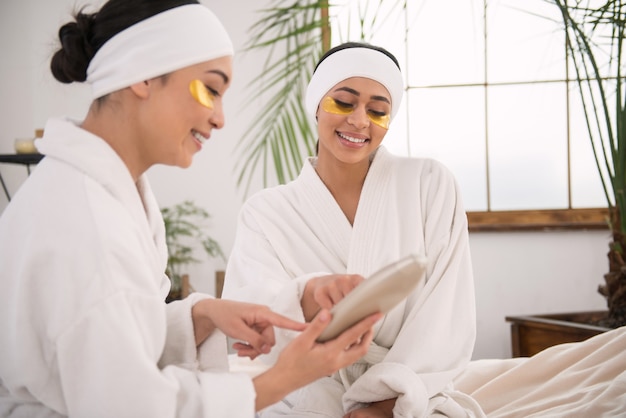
x=343 y=104
x=212 y=91
x=377 y=113
x=336 y=107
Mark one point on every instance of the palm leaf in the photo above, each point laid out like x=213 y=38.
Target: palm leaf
x=592 y=30
x=281 y=135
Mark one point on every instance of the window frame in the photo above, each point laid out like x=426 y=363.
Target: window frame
x=536 y=220
x=489 y=220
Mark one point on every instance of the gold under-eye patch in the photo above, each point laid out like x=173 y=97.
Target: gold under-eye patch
x=331 y=105
x=201 y=93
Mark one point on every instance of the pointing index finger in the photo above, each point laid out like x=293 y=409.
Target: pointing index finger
x=281 y=321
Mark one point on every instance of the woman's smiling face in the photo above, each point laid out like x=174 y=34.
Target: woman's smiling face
x=180 y=116
x=352 y=119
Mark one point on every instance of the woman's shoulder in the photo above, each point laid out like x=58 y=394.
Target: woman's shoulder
x=279 y=195
x=416 y=165
x=271 y=197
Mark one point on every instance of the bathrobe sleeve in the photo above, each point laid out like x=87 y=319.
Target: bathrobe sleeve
x=129 y=327
x=180 y=348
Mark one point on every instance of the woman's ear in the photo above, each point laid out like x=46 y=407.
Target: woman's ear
x=141 y=89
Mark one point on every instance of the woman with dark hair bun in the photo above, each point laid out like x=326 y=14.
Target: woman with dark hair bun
x=354 y=209
x=84 y=325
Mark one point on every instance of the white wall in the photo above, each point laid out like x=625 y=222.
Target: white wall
x=533 y=272
x=516 y=273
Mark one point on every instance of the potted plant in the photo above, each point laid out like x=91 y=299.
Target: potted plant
x=594 y=36
x=184 y=230
x=594 y=40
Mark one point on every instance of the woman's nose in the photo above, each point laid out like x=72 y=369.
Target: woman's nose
x=359 y=118
x=217 y=118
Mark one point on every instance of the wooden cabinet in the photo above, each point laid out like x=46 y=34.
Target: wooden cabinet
x=533 y=333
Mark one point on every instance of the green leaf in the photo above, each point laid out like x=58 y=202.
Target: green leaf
x=185 y=227
x=280 y=135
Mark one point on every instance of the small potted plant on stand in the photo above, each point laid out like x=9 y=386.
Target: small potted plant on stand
x=185 y=230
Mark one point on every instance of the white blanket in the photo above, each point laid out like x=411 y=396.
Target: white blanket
x=586 y=379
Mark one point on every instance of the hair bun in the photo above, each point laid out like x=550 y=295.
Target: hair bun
x=70 y=62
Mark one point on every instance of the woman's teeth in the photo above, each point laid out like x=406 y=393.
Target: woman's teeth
x=351 y=139
x=199 y=137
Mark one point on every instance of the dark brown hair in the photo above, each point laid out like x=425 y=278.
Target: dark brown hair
x=347 y=45
x=83 y=37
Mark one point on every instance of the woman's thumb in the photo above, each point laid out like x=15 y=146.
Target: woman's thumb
x=318 y=324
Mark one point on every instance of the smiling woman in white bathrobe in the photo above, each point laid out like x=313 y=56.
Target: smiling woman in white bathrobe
x=353 y=209
x=84 y=328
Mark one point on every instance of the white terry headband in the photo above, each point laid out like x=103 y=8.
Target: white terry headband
x=355 y=62
x=168 y=41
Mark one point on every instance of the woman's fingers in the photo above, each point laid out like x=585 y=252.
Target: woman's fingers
x=332 y=289
x=264 y=327
x=246 y=350
x=317 y=325
x=281 y=321
x=359 y=334
x=258 y=332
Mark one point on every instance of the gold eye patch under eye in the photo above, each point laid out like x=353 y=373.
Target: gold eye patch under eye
x=331 y=105
x=202 y=95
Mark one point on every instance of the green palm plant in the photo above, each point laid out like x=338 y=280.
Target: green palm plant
x=595 y=45
x=293 y=34
x=281 y=135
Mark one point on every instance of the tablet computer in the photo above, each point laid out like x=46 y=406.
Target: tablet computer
x=379 y=293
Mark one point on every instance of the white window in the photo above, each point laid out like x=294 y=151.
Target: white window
x=487 y=96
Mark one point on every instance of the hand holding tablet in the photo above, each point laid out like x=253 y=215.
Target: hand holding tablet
x=379 y=293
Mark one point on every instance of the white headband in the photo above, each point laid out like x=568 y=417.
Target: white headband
x=355 y=62
x=168 y=41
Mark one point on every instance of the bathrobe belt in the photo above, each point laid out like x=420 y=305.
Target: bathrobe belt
x=348 y=375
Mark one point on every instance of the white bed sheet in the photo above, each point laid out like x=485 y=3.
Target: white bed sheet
x=586 y=379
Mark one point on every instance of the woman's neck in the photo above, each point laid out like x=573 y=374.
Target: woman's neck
x=116 y=129
x=344 y=181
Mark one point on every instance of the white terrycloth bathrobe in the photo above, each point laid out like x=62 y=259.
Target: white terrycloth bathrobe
x=84 y=329
x=291 y=233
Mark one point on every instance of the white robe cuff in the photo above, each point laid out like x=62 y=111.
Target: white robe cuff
x=288 y=303
x=180 y=346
